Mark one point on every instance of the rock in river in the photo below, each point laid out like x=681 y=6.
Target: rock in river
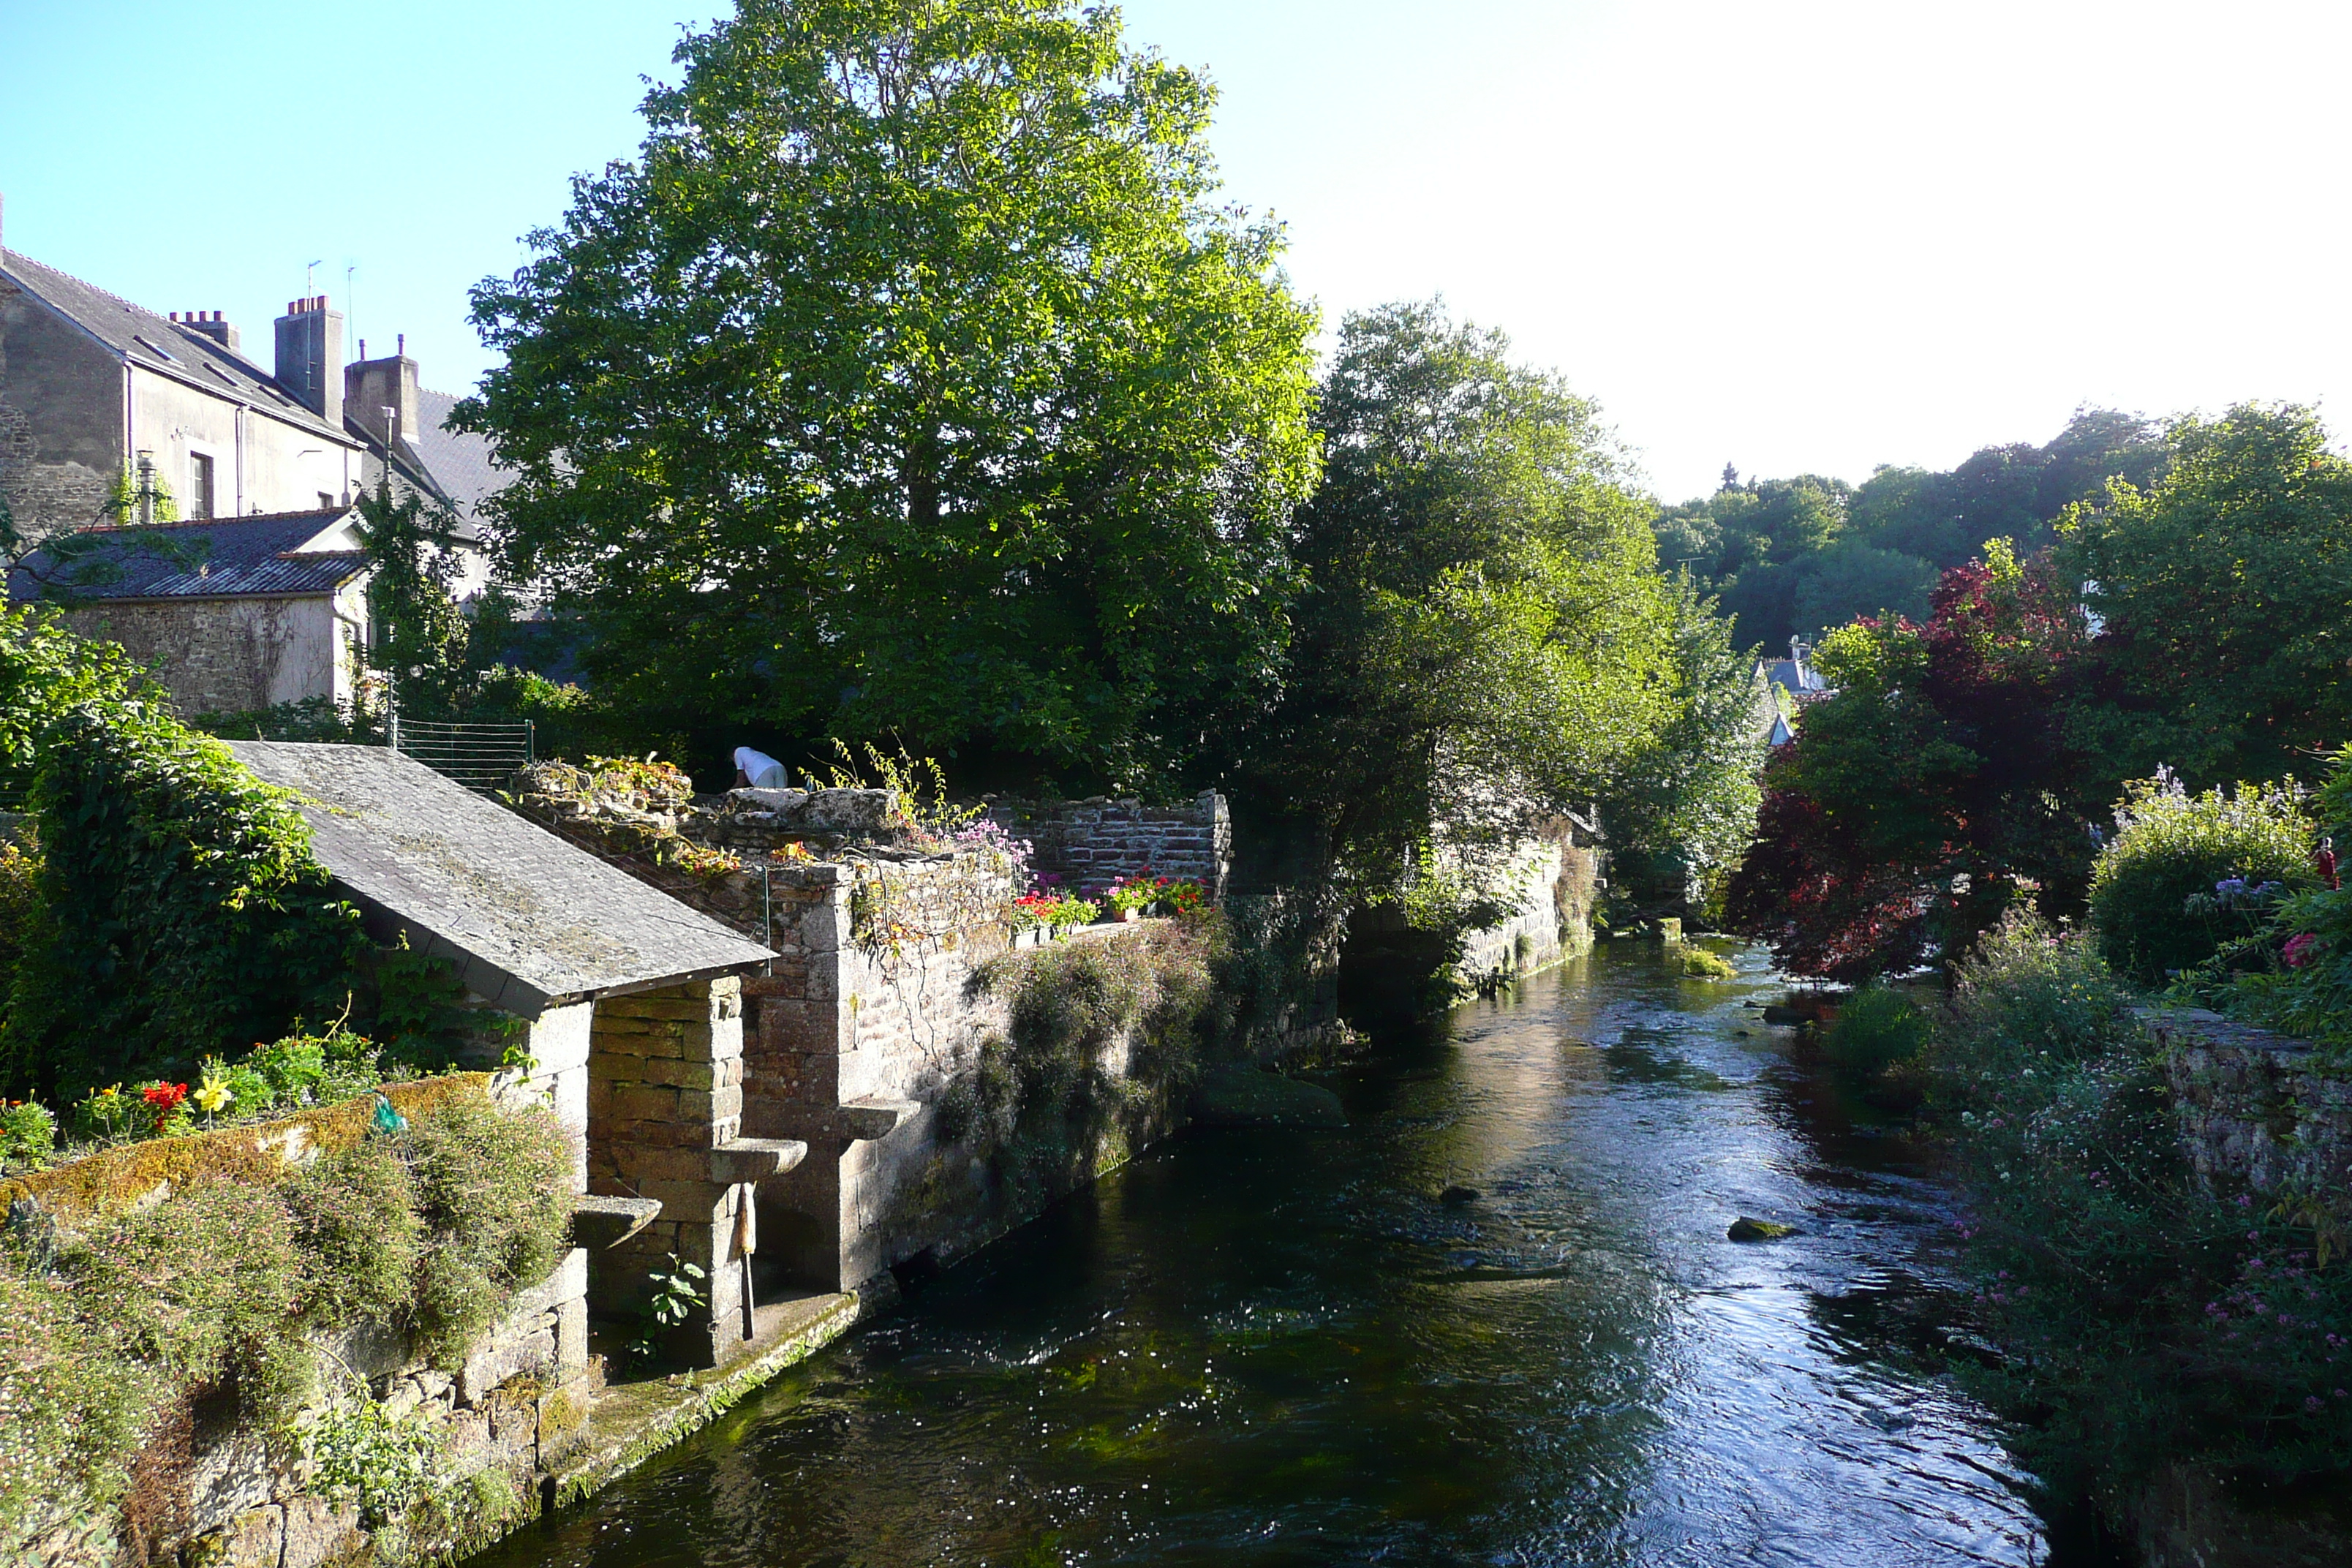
x=1746 y=1229
x=1245 y=1097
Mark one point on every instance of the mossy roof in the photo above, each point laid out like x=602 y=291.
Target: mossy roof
x=526 y=918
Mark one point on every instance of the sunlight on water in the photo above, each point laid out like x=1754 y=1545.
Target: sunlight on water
x=1281 y=1348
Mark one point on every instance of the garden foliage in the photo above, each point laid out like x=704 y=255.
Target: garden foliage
x=116 y=1330
x=2184 y=874
x=2142 y=1319
x=2295 y=976
x=1932 y=791
x=180 y=906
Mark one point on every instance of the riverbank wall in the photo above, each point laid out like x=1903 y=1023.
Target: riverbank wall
x=2267 y=1114
x=1388 y=968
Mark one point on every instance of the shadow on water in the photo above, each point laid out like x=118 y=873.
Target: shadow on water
x=1282 y=1348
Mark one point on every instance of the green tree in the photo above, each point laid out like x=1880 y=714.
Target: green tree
x=418 y=635
x=2226 y=592
x=912 y=378
x=1683 y=810
x=1484 y=637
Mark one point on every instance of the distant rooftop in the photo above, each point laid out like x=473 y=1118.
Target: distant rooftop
x=525 y=917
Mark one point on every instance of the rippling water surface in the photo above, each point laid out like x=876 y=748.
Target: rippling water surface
x=1282 y=1348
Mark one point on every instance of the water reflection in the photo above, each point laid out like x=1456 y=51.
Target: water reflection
x=1280 y=1349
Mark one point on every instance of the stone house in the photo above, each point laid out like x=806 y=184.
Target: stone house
x=630 y=1003
x=94 y=388
x=234 y=615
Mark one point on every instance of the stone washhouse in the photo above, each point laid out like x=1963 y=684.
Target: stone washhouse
x=630 y=1004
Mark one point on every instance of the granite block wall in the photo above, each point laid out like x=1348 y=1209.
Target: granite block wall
x=666 y=1090
x=2255 y=1110
x=1090 y=843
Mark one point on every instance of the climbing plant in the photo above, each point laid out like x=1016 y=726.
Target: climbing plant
x=180 y=910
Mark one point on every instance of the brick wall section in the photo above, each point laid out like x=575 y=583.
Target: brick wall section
x=664 y=1088
x=2255 y=1110
x=1095 y=842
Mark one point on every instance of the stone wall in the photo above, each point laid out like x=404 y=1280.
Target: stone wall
x=853 y=1041
x=227 y=656
x=1092 y=843
x=2255 y=1108
x=1528 y=937
x=851 y=1045
x=665 y=1094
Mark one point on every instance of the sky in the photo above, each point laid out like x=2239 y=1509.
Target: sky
x=1792 y=235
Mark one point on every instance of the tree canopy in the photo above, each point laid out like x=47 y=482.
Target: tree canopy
x=2225 y=589
x=1796 y=557
x=912 y=379
x=1484 y=635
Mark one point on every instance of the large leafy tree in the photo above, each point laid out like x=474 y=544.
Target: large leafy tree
x=910 y=378
x=1484 y=637
x=2225 y=588
x=1941 y=783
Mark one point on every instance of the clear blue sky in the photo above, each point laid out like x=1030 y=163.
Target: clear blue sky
x=1795 y=237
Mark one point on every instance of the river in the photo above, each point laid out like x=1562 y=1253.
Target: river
x=1284 y=1348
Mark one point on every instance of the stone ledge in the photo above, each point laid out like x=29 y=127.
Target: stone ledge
x=634 y=1422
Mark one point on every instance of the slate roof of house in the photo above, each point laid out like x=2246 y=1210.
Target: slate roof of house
x=157 y=343
x=240 y=557
x=452 y=464
x=1792 y=677
x=525 y=917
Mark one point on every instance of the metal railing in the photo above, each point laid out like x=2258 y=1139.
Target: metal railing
x=479 y=756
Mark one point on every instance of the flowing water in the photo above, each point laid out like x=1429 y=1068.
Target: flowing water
x=1277 y=1348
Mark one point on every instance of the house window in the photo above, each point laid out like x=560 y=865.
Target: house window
x=200 y=485
x=326 y=501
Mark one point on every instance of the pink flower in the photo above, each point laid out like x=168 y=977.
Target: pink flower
x=2298 y=951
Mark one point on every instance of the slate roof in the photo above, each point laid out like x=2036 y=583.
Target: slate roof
x=155 y=342
x=240 y=557
x=525 y=917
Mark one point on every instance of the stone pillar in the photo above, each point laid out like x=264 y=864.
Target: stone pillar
x=792 y=1073
x=665 y=1090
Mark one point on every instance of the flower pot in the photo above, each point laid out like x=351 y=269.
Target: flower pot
x=1127 y=915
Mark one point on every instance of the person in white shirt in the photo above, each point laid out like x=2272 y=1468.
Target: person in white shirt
x=756 y=770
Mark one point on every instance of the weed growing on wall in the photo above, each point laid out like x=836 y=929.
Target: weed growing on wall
x=1043 y=1099
x=115 y=1335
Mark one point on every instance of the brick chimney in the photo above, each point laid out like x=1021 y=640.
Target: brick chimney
x=372 y=385
x=309 y=347
x=211 y=323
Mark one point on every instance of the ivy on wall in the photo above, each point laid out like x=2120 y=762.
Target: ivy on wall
x=180 y=910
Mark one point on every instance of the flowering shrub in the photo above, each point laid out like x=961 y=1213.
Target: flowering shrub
x=2185 y=874
x=165 y=1106
x=2310 y=992
x=2140 y=1318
